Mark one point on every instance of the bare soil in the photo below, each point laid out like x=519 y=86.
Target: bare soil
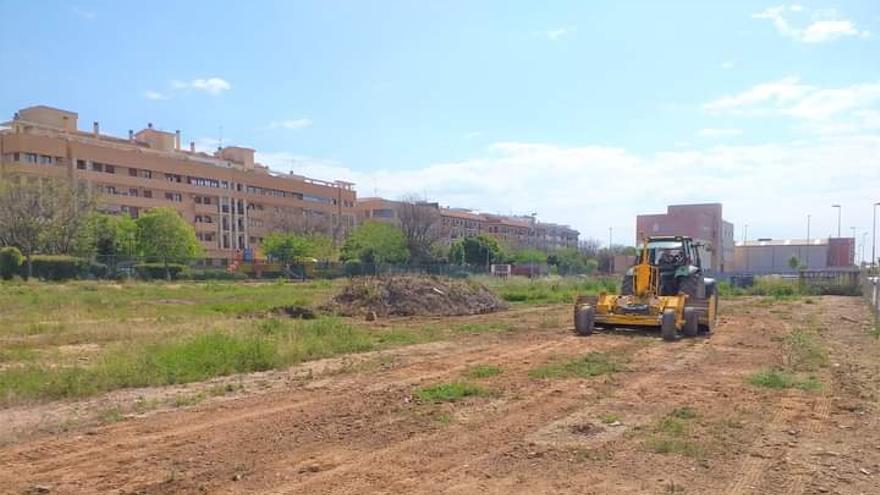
x=357 y=429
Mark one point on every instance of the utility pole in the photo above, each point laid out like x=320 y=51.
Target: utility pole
x=874 y=237
x=839 y=209
x=808 y=241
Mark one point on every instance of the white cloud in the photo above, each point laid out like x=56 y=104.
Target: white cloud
x=789 y=97
x=825 y=26
x=718 y=133
x=85 y=14
x=557 y=34
x=211 y=85
x=293 y=124
x=728 y=64
x=598 y=191
x=155 y=95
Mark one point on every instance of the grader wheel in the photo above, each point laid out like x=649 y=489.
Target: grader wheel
x=584 y=319
x=667 y=325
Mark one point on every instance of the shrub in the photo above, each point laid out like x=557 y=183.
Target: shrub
x=211 y=275
x=156 y=271
x=56 y=267
x=354 y=267
x=10 y=260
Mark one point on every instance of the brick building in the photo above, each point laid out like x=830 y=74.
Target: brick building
x=703 y=222
x=519 y=232
x=229 y=199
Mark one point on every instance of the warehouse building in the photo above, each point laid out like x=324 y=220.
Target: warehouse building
x=774 y=256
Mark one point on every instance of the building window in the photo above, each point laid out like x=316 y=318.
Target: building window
x=30 y=158
x=45 y=160
x=133 y=192
x=148 y=193
x=176 y=197
x=97 y=167
x=133 y=172
x=81 y=164
x=110 y=169
x=148 y=174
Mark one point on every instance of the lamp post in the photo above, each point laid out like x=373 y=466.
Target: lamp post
x=839 y=209
x=808 y=241
x=874 y=237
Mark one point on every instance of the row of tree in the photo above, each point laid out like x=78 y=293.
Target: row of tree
x=54 y=217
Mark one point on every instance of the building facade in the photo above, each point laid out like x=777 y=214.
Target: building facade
x=230 y=200
x=457 y=223
x=703 y=222
x=772 y=256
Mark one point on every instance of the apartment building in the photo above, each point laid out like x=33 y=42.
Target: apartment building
x=458 y=223
x=230 y=200
x=703 y=222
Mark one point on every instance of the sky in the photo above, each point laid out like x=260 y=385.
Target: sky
x=585 y=113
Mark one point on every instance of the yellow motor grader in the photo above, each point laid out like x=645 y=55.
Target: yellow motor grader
x=666 y=289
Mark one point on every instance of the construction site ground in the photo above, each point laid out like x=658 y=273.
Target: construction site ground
x=680 y=417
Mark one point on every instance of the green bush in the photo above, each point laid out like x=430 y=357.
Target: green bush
x=211 y=275
x=157 y=271
x=56 y=267
x=10 y=261
x=354 y=267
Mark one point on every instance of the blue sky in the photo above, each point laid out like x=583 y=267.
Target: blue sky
x=585 y=112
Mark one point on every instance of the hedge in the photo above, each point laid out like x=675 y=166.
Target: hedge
x=156 y=271
x=211 y=275
x=10 y=260
x=56 y=267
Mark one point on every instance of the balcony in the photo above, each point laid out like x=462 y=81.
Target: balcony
x=203 y=208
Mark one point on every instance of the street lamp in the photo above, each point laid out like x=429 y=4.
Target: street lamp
x=839 y=209
x=808 y=240
x=874 y=237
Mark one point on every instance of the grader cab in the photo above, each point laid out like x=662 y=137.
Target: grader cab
x=666 y=289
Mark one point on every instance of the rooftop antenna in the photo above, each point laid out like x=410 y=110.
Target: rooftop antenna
x=220 y=141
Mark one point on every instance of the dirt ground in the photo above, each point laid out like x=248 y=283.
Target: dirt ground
x=357 y=428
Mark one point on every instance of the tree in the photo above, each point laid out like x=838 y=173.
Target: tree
x=570 y=261
x=794 y=262
x=589 y=247
x=41 y=215
x=375 y=242
x=287 y=247
x=10 y=260
x=479 y=250
x=529 y=255
x=163 y=234
x=106 y=235
x=422 y=228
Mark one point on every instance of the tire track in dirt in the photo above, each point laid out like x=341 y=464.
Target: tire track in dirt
x=137 y=443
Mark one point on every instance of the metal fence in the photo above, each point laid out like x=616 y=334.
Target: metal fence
x=870 y=285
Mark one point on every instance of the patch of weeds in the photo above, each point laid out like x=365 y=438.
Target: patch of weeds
x=683 y=413
x=445 y=419
x=610 y=418
x=221 y=390
x=15 y=353
x=483 y=371
x=593 y=364
x=671 y=435
x=549 y=321
x=779 y=380
x=809 y=301
x=143 y=405
x=270 y=326
x=188 y=400
x=111 y=415
x=495 y=326
x=449 y=392
x=804 y=352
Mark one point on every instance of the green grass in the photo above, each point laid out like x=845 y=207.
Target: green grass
x=609 y=418
x=483 y=371
x=672 y=434
x=779 y=380
x=552 y=290
x=804 y=352
x=590 y=365
x=488 y=327
x=449 y=392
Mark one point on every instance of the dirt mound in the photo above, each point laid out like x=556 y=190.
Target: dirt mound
x=414 y=296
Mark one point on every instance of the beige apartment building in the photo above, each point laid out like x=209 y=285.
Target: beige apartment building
x=520 y=232
x=230 y=200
